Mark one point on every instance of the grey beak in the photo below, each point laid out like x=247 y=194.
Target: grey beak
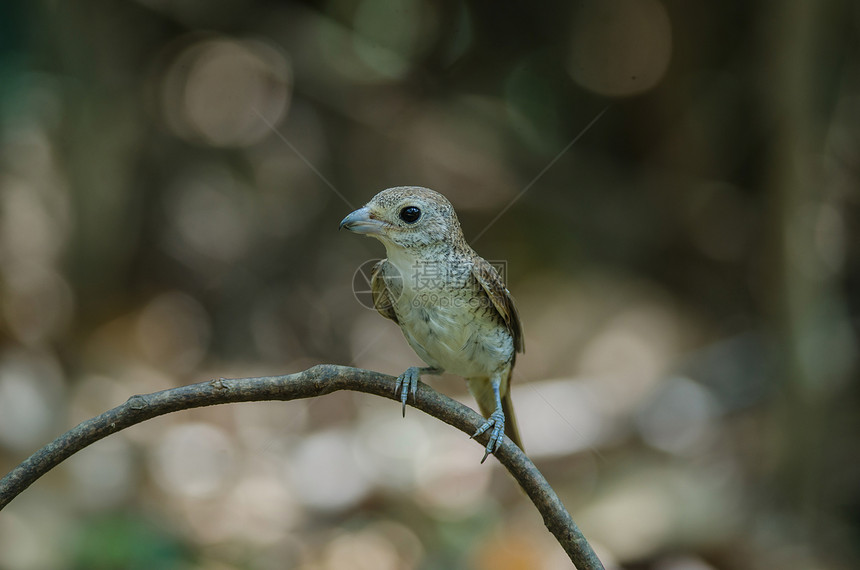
x=360 y=222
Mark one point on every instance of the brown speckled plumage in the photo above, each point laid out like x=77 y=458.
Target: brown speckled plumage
x=451 y=304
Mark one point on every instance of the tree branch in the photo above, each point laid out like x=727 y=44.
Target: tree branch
x=316 y=381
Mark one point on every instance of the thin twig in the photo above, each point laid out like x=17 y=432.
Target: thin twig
x=316 y=381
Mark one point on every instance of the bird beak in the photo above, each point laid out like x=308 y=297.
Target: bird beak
x=361 y=222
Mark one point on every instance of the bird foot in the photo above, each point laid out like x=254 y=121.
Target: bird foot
x=496 y=421
x=407 y=383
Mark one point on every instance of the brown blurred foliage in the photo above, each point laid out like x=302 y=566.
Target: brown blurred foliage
x=172 y=173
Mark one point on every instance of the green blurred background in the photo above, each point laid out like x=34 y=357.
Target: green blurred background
x=172 y=175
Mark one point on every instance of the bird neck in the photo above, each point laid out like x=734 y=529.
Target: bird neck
x=405 y=258
x=437 y=266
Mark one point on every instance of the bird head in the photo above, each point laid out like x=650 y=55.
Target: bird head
x=408 y=217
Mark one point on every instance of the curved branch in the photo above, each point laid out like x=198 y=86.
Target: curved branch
x=316 y=381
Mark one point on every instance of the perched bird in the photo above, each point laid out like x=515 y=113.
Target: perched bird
x=451 y=304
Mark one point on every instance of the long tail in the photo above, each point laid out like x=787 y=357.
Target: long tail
x=482 y=390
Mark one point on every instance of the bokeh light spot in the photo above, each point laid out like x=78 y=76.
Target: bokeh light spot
x=679 y=419
x=325 y=472
x=362 y=551
x=173 y=330
x=194 y=460
x=216 y=90
x=620 y=47
x=390 y=34
x=38 y=303
x=30 y=393
x=210 y=215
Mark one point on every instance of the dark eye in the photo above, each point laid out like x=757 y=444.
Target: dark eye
x=410 y=214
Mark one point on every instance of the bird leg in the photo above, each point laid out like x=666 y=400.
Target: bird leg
x=408 y=382
x=495 y=421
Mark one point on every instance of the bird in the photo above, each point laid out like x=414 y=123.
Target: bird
x=450 y=303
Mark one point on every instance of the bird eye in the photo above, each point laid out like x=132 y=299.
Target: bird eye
x=410 y=214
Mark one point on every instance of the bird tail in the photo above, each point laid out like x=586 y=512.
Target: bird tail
x=482 y=390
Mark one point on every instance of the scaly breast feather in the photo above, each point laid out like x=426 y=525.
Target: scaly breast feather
x=451 y=337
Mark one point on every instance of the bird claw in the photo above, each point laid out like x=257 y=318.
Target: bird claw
x=408 y=383
x=496 y=421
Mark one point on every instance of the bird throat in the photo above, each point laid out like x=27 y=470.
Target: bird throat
x=430 y=270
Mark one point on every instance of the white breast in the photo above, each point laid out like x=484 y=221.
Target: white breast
x=447 y=333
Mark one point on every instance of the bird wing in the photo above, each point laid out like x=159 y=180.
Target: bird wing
x=382 y=297
x=494 y=287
